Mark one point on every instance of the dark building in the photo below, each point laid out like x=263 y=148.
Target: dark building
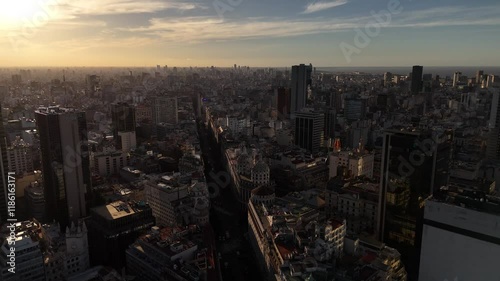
x=65 y=163
x=493 y=148
x=479 y=76
x=113 y=227
x=335 y=101
x=3 y=170
x=416 y=79
x=409 y=163
x=299 y=88
x=330 y=116
x=123 y=120
x=283 y=100
x=309 y=128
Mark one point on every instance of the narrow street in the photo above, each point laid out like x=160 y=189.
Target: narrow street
x=234 y=253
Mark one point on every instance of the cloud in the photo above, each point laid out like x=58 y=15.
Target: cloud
x=320 y=6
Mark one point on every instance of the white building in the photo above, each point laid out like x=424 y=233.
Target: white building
x=358 y=164
x=128 y=141
x=461 y=237
x=109 y=163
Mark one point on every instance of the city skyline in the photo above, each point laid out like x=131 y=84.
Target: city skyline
x=253 y=33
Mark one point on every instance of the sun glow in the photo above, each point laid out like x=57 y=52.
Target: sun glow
x=15 y=12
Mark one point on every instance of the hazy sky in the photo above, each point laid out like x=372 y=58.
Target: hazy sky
x=248 y=32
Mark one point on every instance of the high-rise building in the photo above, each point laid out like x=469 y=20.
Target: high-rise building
x=387 y=79
x=309 y=130
x=330 y=118
x=123 y=118
x=355 y=109
x=299 y=88
x=3 y=170
x=479 y=76
x=416 y=79
x=493 y=148
x=20 y=156
x=407 y=180
x=461 y=237
x=283 y=100
x=165 y=110
x=65 y=163
x=456 y=78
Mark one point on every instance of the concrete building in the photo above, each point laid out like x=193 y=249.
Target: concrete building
x=357 y=163
x=165 y=110
x=20 y=157
x=110 y=163
x=461 y=236
x=127 y=141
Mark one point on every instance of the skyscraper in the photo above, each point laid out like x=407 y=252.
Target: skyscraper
x=456 y=78
x=65 y=163
x=299 y=88
x=123 y=117
x=283 y=100
x=165 y=110
x=407 y=177
x=493 y=148
x=3 y=170
x=479 y=76
x=416 y=79
x=123 y=121
x=309 y=130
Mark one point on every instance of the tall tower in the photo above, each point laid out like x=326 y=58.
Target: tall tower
x=456 y=78
x=493 y=148
x=299 y=88
x=166 y=110
x=65 y=163
x=407 y=180
x=416 y=79
x=123 y=118
x=309 y=130
x=3 y=170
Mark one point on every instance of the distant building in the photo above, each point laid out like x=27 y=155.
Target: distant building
x=416 y=79
x=166 y=110
x=358 y=163
x=20 y=157
x=283 y=96
x=110 y=163
x=299 y=86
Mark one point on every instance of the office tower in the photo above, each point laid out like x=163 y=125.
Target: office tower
x=416 y=79
x=299 y=88
x=330 y=116
x=93 y=84
x=123 y=119
x=165 y=110
x=3 y=170
x=283 y=100
x=456 y=78
x=335 y=101
x=479 y=76
x=387 y=79
x=461 y=237
x=407 y=177
x=65 y=163
x=493 y=148
x=309 y=130
x=309 y=72
x=354 y=109
x=427 y=82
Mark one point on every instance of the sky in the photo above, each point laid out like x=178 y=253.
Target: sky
x=249 y=32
